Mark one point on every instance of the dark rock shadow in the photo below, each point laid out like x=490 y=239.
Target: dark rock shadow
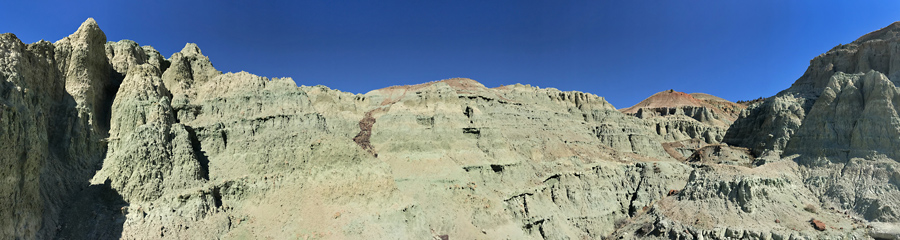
x=109 y=96
x=97 y=212
x=198 y=152
x=73 y=208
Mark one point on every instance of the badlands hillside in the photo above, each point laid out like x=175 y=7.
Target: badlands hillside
x=112 y=140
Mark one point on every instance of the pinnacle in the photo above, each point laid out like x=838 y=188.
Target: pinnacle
x=191 y=48
x=90 y=22
x=88 y=25
x=89 y=31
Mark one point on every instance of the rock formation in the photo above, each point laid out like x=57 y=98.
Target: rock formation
x=686 y=122
x=107 y=140
x=840 y=122
x=704 y=108
x=855 y=116
x=771 y=124
x=55 y=106
x=734 y=202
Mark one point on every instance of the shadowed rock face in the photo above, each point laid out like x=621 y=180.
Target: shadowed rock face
x=840 y=122
x=771 y=124
x=106 y=140
x=53 y=114
x=854 y=117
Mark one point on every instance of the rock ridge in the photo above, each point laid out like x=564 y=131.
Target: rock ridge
x=111 y=140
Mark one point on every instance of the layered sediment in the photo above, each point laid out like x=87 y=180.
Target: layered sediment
x=111 y=140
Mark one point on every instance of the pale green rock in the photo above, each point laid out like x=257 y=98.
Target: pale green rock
x=183 y=151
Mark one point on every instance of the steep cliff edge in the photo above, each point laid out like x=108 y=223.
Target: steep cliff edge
x=55 y=108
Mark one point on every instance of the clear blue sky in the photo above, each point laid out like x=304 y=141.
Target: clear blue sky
x=621 y=50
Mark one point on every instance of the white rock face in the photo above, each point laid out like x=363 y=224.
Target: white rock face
x=81 y=57
x=125 y=54
x=189 y=68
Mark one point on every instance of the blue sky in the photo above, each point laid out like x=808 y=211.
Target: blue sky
x=621 y=50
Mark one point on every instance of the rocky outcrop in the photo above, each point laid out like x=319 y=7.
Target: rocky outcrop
x=839 y=121
x=863 y=187
x=678 y=116
x=148 y=150
x=525 y=163
x=884 y=230
x=490 y=115
x=733 y=202
x=704 y=108
x=854 y=117
x=190 y=68
x=685 y=122
x=25 y=134
x=124 y=54
x=721 y=154
x=681 y=150
x=53 y=114
x=771 y=124
x=107 y=140
x=675 y=128
x=588 y=204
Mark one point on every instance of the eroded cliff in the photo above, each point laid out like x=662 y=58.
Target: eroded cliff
x=110 y=140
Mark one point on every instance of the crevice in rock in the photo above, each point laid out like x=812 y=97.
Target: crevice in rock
x=634 y=195
x=541 y=231
x=97 y=212
x=555 y=176
x=524 y=197
x=631 y=142
x=202 y=158
x=473 y=132
x=540 y=227
x=164 y=65
x=224 y=138
x=217 y=197
x=504 y=101
x=109 y=95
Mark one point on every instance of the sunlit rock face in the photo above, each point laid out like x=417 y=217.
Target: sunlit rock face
x=111 y=140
